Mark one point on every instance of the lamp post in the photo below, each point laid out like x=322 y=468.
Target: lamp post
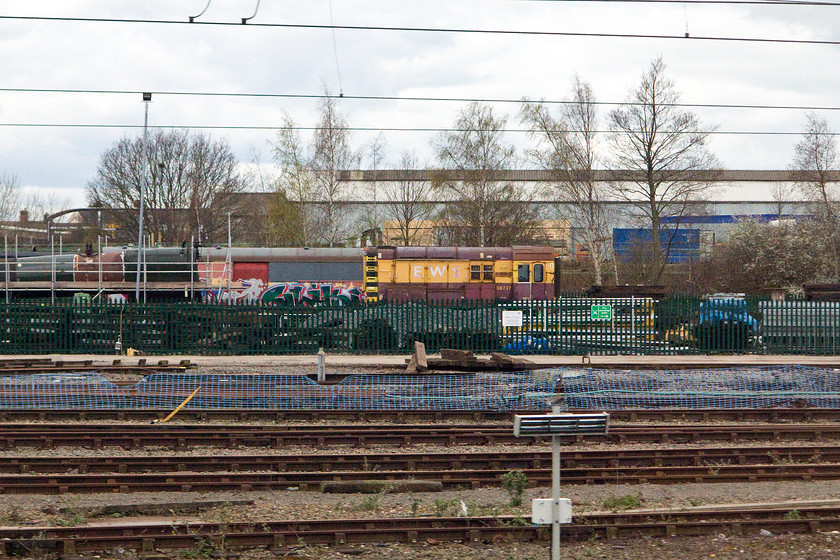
x=147 y=98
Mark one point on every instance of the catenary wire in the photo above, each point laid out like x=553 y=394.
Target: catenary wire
x=719 y=2
x=410 y=98
x=450 y=30
x=378 y=129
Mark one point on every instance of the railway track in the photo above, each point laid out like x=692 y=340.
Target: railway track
x=61 y=475
x=504 y=460
x=281 y=536
x=450 y=479
x=762 y=415
x=181 y=436
x=45 y=365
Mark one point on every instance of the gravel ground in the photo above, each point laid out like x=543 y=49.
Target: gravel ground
x=338 y=450
x=292 y=504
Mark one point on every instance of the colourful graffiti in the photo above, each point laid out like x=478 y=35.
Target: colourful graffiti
x=288 y=293
x=300 y=293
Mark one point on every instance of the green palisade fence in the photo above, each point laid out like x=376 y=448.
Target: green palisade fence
x=571 y=324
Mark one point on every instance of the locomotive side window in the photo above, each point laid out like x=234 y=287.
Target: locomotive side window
x=488 y=271
x=475 y=272
x=523 y=273
x=538 y=273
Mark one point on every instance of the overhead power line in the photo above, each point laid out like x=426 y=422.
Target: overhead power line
x=409 y=98
x=722 y=2
x=372 y=129
x=511 y=32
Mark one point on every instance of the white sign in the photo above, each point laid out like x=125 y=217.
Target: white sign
x=541 y=511
x=512 y=318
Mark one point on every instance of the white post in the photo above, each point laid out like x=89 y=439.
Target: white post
x=322 y=376
x=193 y=266
x=147 y=97
x=52 y=269
x=6 y=262
x=555 y=492
x=99 y=257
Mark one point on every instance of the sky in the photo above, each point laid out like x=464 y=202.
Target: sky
x=52 y=141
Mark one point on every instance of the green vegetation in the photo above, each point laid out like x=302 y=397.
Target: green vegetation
x=621 y=503
x=515 y=483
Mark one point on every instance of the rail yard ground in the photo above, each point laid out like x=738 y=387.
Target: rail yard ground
x=248 y=485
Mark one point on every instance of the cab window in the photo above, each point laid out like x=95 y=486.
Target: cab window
x=488 y=271
x=538 y=273
x=475 y=272
x=523 y=273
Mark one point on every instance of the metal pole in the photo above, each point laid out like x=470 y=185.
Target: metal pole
x=6 y=262
x=555 y=492
x=229 y=258
x=99 y=255
x=147 y=97
x=193 y=267
x=52 y=270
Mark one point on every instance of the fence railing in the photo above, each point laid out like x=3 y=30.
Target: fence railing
x=567 y=325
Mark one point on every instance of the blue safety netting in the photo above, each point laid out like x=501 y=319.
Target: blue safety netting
x=497 y=391
x=482 y=391
x=743 y=387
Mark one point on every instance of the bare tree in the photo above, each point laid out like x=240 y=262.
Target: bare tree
x=295 y=186
x=566 y=149
x=660 y=159
x=782 y=196
x=375 y=152
x=407 y=200
x=191 y=185
x=814 y=171
x=331 y=158
x=481 y=208
x=10 y=197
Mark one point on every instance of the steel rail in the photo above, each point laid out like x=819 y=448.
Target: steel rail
x=507 y=460
x=97 y=483
x=181 y=436
x=281 y=536
x=770 y=415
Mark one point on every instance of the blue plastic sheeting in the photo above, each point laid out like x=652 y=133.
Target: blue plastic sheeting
x=497 y=391
x=746 y=387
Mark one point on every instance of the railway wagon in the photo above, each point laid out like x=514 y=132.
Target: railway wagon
x=454 y=273
x=393 y=274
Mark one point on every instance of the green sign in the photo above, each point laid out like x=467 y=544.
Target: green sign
x=602 y=312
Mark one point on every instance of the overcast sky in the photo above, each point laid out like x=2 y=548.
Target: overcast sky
x=136 y=57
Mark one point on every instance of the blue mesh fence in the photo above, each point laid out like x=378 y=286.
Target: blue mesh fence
x=593 y=389
x=746 y=387
x=500 y=391
x=484 y=391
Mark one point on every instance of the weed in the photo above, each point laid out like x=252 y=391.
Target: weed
x=71 y=520
x=793 y=515
x=515 y=483
x=442 y=507
x=371 y=503
x=202 y=548
x=621 y=503
x=415 y=507
x=695 y=502
x=515 y=521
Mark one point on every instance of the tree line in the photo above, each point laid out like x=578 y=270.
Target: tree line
x=655 y=151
